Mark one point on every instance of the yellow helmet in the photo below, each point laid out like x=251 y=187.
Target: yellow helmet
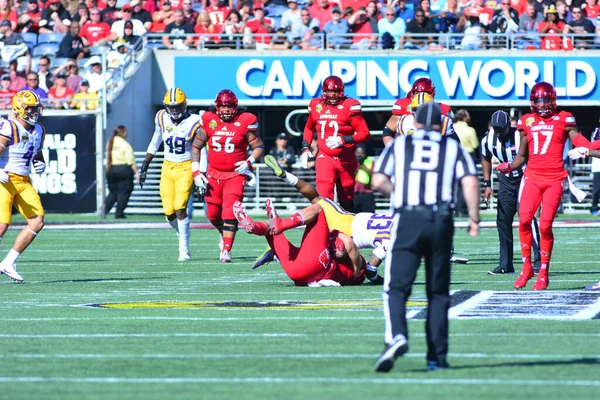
x=27 y=106
x=419 y=99
x=175 y=103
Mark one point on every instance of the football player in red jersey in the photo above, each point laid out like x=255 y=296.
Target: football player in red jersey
x=402 y=107
x=544 y=133
x=324 y=258
x=228 y=134
x=339 y=124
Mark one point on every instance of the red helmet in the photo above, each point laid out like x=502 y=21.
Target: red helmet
x=542 y=99
x=422 y=85
x=227 y=105
x=333 y=90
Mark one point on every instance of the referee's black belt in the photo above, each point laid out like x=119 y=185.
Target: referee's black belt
x=440 y=207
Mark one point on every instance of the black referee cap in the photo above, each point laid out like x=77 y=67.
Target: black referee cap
x=429 y=114
x=500 y=119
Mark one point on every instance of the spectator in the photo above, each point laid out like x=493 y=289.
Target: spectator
x=405 y=13
x=110 y=13
x=95 y=31
x=550 y=28
x=564 y=15
x=519 y=5
x=116 y=29
x=437 y=6
x=425 y=5
x=128 y=36
x=218 y=13
x=466 y=134
x=283 y=152
x=55 y=19
x=360 y=25
x=82 y=15
x=73 y=78
x=290 y=15
x=259 y=25
x=150 y=6
x=178 y=27
x=29 y=21
x=321 y=11
x=580 y=25
x=84 y=100
x=120 y=172
x=142 y=15
x=33 y=85
x=233 y=26
x=486 y=14
x=6 y=93
x=336 y=30
x=73 y=45
x=506 y=19
x=163 y=17
x=17 y=81
x=95 y=76
x=280 y=41
x=449 y=17
x=302 y=35
x=373 y=13
x=45 y=82
x=529 y=24
x=209 y=32
x=190 y=15
x=60 y=90
x=364 y=200
x=7 y=12
x=393 y=26
x=419 y=25
x=595 y=177
x=542 y=5
x=9 y=37
x=473 y=32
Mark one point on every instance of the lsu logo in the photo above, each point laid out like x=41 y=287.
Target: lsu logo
x=529 y=121
x=212 y=124
x=325 y=258
x=319 y=108
x=169 y=128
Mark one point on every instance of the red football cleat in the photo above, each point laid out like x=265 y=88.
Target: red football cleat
x=523 y=278
x=541 y=283
x=244 y=221
x=276 y=226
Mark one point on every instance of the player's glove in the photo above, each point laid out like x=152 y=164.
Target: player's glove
x=504 y=168
x=579 y=152
x=3 y=176
x=333 y=142
x=143 y=173
x=243 y=167
x=39 y=166
x=250 y=179
x=305 y=155
x=200 y=179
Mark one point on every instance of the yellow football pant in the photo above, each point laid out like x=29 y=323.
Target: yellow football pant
x=19 y=193
x=176 y=184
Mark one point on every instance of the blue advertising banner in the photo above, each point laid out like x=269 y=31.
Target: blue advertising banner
x=282 y=79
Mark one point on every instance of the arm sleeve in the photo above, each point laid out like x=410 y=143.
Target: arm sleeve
x=157 y=137
x=581 y=141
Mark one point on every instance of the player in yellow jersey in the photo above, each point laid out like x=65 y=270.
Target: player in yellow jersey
x=21 y=142
x=176 y=128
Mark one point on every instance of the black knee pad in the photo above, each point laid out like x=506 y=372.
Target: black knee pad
x=347 y=205
x=230 y=225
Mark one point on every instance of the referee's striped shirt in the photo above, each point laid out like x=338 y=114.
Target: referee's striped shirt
x=424 y=167
x=504 y=151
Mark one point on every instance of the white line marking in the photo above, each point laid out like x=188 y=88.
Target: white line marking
x=313 y=380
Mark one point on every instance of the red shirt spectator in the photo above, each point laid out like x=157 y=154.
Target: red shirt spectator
x=548 y=27
x=163 y=17
x=7 y=12
x=260 y=24
x=485 y=13
x=204 y=26
x=29 y=21
x=191 y=15
x=321 y=10
x=149 y=5
x=174 y=3
x=217 y=14
x=519 y=5
x=591 y=9
x=353 y=3
x=6 y=93
x=100 y=4
x=95 y=30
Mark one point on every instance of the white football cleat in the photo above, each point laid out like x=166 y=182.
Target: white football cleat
x=270 y=209
x=184 y=255
x=225 y=256
x=11 y=272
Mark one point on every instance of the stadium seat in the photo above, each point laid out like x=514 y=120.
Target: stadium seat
x=31 y=39
x=58 y=61
x=50 y=38
x=46 y=49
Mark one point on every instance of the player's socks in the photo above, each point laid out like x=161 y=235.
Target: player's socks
x=295 y=220
x=227 y=243
x=259 y=228
x=373 y=276
x=291 y=178
x=184 y=233
x=175 y=225
x=11 y=257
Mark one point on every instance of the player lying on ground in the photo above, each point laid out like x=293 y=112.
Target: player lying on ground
x=367 y=230
x=324 y=258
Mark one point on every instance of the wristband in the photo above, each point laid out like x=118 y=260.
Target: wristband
x=195 y=166
x=251 y=160
x=487 y=183
x=348 y=139
x=305 y=145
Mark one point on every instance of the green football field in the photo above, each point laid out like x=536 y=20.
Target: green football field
x=111 y=314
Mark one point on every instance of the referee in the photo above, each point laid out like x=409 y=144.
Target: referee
x=502 y=141
x=423 y=168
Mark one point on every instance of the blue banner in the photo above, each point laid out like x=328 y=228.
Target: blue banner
x=286 y=79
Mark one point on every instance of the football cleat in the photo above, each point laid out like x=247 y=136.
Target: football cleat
x=244 y=221
x=270 y=209
x=274 y=165
x=11 y=272
x=523 y=278
x=541 y=283
x=266 y=257
x=392 y=351
x=184 y=255
x=436 y=366
x=593 y=287
x=374 y=277
x=459 y=260
x=501 y=271
x=225 y=256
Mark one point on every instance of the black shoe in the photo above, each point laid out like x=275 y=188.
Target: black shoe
x=397 y=348
x=436 y=366
x=501 y=271
x=374 y=277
